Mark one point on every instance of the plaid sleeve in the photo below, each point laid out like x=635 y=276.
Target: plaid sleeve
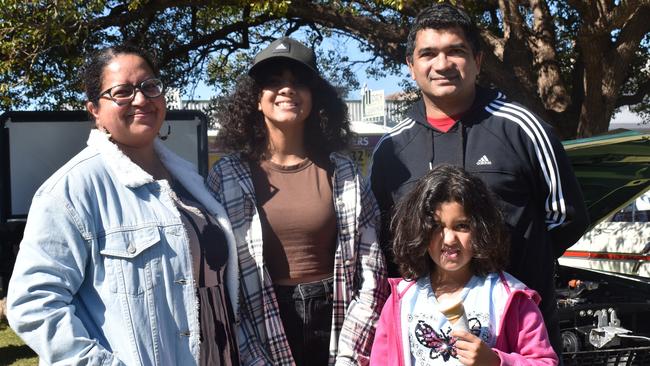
x=251 y=351
x=371 y=286
x=214 y=183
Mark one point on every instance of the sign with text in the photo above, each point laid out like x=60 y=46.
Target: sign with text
x=374 y=104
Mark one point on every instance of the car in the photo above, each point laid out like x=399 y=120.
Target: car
x=605 y=315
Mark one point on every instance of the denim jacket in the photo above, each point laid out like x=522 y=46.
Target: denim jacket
x=104 y=273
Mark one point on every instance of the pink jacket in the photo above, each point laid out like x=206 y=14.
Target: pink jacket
x=522 y=338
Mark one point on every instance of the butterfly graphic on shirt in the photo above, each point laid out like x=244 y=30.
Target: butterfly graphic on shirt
x=442 y=344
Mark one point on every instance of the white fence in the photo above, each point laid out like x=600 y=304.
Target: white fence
x=393 y=113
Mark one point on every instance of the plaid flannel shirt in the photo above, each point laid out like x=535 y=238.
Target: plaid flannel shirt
x=360 y=286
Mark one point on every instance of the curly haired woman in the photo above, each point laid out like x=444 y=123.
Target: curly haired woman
x=304 y=219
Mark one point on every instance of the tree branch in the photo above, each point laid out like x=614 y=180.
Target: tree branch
x=221 y=34
x=641 y=93
x=623 y=51
x=121 y=15
x=385 y=39
x=495 y=43
x=549 y=76
x=516 y=55
x=617 y=17
x=635 y=27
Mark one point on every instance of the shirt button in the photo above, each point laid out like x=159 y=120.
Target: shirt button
x=131 y=249
x=348 y=262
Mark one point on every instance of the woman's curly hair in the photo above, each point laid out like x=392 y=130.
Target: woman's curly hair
x=413 y=222
x=242 y=127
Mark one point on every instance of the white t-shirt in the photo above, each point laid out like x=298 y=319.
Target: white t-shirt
x=425 y=330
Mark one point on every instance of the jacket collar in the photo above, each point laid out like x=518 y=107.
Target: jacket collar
x=126 y=171
x=129 y=173
x=483 y=96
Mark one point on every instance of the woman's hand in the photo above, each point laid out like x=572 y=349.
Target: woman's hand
x=471 y=350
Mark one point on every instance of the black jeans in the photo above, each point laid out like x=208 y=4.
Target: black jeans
x=306 y=313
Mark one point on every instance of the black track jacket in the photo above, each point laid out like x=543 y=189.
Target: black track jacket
x=515 y=154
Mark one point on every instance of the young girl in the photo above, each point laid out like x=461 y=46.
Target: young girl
x=450 y=245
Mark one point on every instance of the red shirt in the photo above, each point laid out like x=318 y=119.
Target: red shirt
x=443 y=124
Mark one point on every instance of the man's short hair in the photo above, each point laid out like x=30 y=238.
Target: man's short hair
x=443 y=16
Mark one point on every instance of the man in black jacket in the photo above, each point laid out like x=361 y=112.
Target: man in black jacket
x=500 y=141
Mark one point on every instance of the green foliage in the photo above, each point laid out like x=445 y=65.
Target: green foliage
x=223 y=70
x=43 y=44
x=33 y=35
x=273 y=8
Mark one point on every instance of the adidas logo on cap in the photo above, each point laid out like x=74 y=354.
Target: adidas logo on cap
x=287 y=49
x=282 y=48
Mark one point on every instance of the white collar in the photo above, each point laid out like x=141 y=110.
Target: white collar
x=126 y=171
x=129 y=173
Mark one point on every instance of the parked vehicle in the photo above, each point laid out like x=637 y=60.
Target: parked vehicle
x=604 y=315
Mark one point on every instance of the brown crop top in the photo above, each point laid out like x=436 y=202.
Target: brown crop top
x=298 y=219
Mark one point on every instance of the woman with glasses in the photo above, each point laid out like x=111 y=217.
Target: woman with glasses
x=312 y=273
x=127 y=259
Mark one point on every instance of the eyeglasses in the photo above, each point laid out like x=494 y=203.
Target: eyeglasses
x=125 y=93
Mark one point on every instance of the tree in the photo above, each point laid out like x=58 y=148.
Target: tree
x=574 y=62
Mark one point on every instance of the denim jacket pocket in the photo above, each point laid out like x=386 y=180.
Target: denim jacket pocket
x=132 y=260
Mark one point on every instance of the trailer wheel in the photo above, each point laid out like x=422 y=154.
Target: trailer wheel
x=570 y=342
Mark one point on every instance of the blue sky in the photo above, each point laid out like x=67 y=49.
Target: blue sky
x=389 y=84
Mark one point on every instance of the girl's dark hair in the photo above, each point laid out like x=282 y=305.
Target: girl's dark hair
x=413 y=222
x=93 y=69
x=242 y=126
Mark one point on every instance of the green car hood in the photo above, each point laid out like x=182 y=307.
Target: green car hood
x=612 y=170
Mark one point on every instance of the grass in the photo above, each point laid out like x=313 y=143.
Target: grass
x=13 y=352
